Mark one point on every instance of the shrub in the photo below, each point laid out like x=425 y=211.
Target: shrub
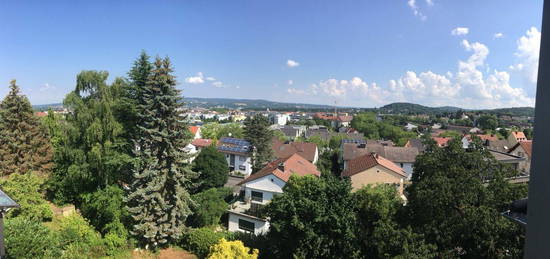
x=26 y=191
x=104 y=208
x=78 y=238
x=200 y=240
x=232 y=249
x=26 y=238
x=209 y=206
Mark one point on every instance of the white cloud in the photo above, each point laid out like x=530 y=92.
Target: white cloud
x=415 y=9
x=290 y=82
x=430 y=2
x=458 y=31
x=295 y=91
x=528 y=55
x=292 y=63
x=210 y=79
x=199 y=79
x=473 y=85
x=46 y=87
x=498 y=35
x=217 y=84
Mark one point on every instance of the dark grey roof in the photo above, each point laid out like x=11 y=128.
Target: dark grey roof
x=6 y=201
x=500 y=145
x=394 y=154
x=417 y=143
x=505 y=157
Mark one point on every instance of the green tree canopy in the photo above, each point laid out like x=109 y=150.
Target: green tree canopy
x=209 y=206
x=24 y=143
x=212 y=168
x=487 y=122
x=455 y=199
x=313 y=218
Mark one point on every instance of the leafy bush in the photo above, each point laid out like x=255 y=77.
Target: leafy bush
x=232 y=249
x=210 y=206
x=78 y=238
x=200 y=240
x=26 y=238
x=26 y=191
x=104 y=208
x=212 y=167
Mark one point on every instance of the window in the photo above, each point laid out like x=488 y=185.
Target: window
x=242 y=167
x=242 y=158
x=401 y=165
x=257 y=196
x=246 y=225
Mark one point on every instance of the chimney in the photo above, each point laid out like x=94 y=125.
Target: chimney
x=281 y=166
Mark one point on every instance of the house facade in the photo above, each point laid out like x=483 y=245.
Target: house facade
x=373 y=169
x=259 y=189
x=523 y=149
x=404 y=157
x=515 y=137
x=238 y=153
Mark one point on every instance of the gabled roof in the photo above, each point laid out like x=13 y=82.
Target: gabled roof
x=505 y=157
x=194 y=129
x=362 y=163
x=395 y=154
x=285 y=149
x=283 y=168
x=526 y=145
x=483 y=137
x=518 y=134
x=500 y=145
x=441 y=141
x=416 y=143
x=201 y=142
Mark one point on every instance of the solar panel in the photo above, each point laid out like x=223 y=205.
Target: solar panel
x=355 y=141
x=6 y=201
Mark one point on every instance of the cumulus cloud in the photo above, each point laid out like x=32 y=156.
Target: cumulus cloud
x=498 y=35
x=295 y=91
x=528 y=48
x=217 y=84
x=292 y=63
x=290 y=82
x=471 y=86
x=416 y=11
x=430 y=2
x=458 y=31
x=210 y=79
x=199 y=79
x=46 y=87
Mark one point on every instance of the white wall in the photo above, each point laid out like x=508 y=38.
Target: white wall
x=246 y=163
x=269 y=185
x=260 y=226
x=408 y=167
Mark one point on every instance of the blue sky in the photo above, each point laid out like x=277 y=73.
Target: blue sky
x=473 y=54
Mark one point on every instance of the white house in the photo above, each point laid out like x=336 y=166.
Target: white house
x=278 y=118
x=258 y=190
x=238 y=153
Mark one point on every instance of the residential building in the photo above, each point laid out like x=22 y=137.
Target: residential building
x=509 y=159
x=292 y=131
x=374 y=169
x=523 y=149
x=441 y=141
x=404 y=157
x=285 y=149
x=500 y=145
x=467 y=139
x=278 y=118
x=258 y=190
x=201 y=143
x=410 y=127
x=195 y=131
x=515 y=137
x=238 y=153
x=416 y=143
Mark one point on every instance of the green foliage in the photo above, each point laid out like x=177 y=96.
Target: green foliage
x=328 y=162
x=528 y=133
x=78 y=238
x=212 y=168
x=27 y=238
x=455 y=200
x=200 y=240
x=105 y=210
x=378 y=232
x=158 y=201
x=52 y=123
x=259 y=135
x=209 y=206
x=27 y=191
x=451 y=134
x=24 y=143
x=92 y=153
x=487 y=122
x=367 y=124
x=321 y=144
x=215 y=130
x=504 y=133
x=313 y=218
x=232 y=249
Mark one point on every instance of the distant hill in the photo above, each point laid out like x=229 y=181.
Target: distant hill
x=249 y=104
x=412 y=108
x=45 y=107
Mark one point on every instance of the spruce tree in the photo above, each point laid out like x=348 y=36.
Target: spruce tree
x=24 y=143
x=158 y=200
x=259 y=135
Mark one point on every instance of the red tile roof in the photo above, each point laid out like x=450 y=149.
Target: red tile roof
x=441 y=141
x=194 y=129
x=41 y=114
x=201 y=142
x=526 y=145
x=483 y=137
x=282 y=149
x=519 y=135
x=294 y=164
x=368 y=161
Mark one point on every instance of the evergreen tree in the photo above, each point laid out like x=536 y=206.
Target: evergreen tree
x=24 y=143
x=158 y=201
x=259 y=135
x=212 y=167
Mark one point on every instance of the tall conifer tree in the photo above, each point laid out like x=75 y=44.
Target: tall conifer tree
x=257 y=132
x=158 y=200
x=24 y=144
